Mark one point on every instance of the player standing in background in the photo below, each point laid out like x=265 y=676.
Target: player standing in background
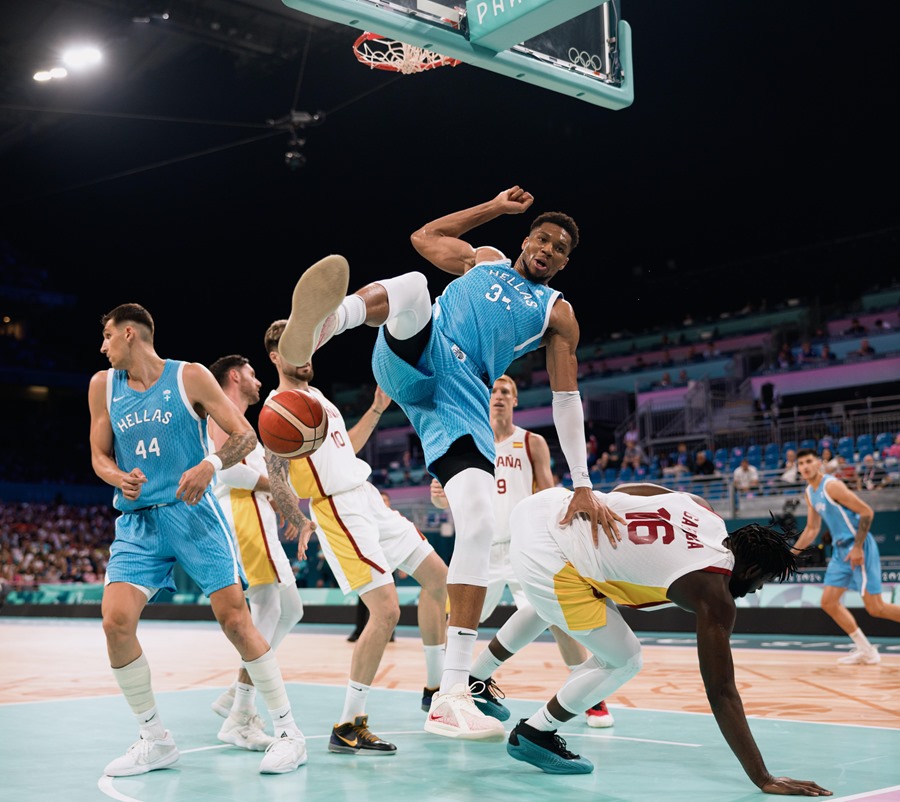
x=438 y=362
x=275 y=606
x=674 y=550
x=855 y=561
x=149 y=441
x=522 y=467
x=363 y=540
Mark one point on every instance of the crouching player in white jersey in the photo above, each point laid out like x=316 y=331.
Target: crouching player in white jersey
x=364 y=541
x=522 y=467
x=275 y=606
x=674 y=550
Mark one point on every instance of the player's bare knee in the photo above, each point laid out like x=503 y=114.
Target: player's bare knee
x=874 y=606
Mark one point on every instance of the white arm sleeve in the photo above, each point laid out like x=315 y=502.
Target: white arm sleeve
x=568 y=417
x=239 y=475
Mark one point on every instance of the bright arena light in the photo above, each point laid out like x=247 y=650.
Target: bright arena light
x=79 y=58
x=43 y=75
x=59 y=72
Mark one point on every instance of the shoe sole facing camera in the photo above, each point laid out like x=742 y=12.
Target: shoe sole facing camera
x=275 y=767
x=318 y=293
x=545 y=760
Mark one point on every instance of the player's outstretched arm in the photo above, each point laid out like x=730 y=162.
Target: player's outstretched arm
x=706 y=594
x=439 y=241
x=362 y=430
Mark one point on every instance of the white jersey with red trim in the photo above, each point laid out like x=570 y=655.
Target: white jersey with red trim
x=334 y=467
x=514 y=475
x=664 y=537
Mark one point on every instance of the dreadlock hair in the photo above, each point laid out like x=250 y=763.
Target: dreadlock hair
x=767 y=548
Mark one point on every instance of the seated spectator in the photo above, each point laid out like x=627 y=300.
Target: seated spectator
x=829 y=461
x=663 y=381
x=790 y=474
x=881 y=325
x=683 y=379
x=784 y=360
x=592 y=451
x=703 y=466
x=845 y=471
x=892 y=451
x=666 y=361
x=826 y=357
x=745 y=477
x=871 y=474
x=679 y=462
x=856 y=329
x=864 y=351
x=611 y=458
x=808 y=355
x=634 y=454
x=711 y=351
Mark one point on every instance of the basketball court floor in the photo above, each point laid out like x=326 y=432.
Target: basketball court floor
x=63 y=719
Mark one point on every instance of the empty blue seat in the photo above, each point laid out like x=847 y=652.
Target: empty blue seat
x=883 y=440
x=808 y=443
x=865 y=441
x=754 y=456
x=610 y=475
x=788 y=445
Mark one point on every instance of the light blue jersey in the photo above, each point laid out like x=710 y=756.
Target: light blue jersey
x=843 y=524
x=484 y=320
x=158 y=431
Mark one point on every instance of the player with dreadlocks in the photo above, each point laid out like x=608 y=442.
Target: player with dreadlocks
x=672 y=550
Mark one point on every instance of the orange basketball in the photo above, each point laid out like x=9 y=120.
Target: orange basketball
x=293 y=424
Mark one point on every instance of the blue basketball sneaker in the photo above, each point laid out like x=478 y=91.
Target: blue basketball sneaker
x=487 y=698
x=546 y=750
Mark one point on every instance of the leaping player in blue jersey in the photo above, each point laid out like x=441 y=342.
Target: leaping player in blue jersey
x=438 y=362
x=149 y=441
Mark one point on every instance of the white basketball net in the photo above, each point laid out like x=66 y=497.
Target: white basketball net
x=379 y=53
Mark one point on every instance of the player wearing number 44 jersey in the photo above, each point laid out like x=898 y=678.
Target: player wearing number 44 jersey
x=364 y=541
x=437 y=361
x=674 y=550
x=149 y=441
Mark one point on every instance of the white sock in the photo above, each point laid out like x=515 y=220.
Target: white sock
x=266 y=676
x=434 y=665
x=351 y=313
x=543 y=721
x=860 y=640
x=354 y=701
x=151 y=724
x=409 y=304
x=485 y=665
x=134 y=680
x=244 y=699
x=458 y=659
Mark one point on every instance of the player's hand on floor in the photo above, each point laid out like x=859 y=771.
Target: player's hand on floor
x=785 y=786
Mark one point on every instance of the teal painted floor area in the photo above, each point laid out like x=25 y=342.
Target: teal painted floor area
x=57 y=751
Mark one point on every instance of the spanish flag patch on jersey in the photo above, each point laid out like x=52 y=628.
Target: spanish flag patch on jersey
x=518 y=444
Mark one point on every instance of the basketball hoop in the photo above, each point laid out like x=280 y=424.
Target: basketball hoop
x=379 y=53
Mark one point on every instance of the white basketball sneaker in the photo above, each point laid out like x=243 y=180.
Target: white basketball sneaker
x=247 y=731
x=284 y=754
x=454 y=715
x=869 y=657
x=599 y=716
x=222 y=705
x=313 y=321
x=145 y=754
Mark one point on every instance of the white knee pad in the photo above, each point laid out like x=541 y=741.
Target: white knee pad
x=471 y=497
x=409 y=304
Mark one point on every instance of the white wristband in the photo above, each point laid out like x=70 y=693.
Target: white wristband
x=215 y=460
x=568 y=416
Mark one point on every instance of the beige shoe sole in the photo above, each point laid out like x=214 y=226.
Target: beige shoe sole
x=318 y=294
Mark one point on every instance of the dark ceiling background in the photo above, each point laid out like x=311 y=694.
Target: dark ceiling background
x=758 y=162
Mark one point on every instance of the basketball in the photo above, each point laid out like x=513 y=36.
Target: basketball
x=293 y=424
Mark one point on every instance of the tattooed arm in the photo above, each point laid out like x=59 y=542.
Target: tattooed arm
x=287 y=500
